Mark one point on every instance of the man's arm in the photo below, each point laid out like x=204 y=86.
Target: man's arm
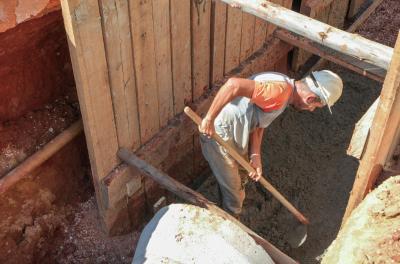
x=233 y=88
x=255 y=152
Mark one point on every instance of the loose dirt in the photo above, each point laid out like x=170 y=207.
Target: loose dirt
x=22 y=137
x=383 y=25
x=82 y=240
x=372 y=232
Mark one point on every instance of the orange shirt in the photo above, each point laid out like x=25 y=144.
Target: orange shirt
x=271 y=95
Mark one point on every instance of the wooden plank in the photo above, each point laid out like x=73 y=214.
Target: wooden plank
x=162 y=45
x=288 y=3
x=118 y=44
x=161 y=150
x=145 y=66
x=85 y=40
x=233 y=38
x=246 y=46
x=354 y=7
x=299 y=55
x=282 y=65
x=260 y=33
x=361 y=19
x=181 y=53
x=315 y=9
x=272 y=53
x=195 y=198
x=271 y=27
x=382 y=136
x=218 y=40
x=361 y=132
x=201 y=18
x=338 y=12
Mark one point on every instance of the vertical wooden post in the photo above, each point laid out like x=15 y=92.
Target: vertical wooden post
x=338 y=13
x=118 y=45
x=218 y=40
x=145 y=66
x=260 y=33
x=233 y=38
x=354 y=7
x=181 y=53
x=162 y=50
x=246 y=45
x=317 y=10
x=85 y=41
x=201 y=17
x=382 y=136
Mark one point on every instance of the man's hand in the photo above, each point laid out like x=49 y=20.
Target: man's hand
x=255 y=162
x=207 y=126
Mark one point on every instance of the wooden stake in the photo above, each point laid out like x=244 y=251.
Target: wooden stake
x=361 y=132
x=354 y=7
x=196 y=198
x=383 y=135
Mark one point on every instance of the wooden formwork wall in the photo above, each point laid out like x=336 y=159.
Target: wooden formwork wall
x=354 y=7
x=332 y=12
x=137 y=63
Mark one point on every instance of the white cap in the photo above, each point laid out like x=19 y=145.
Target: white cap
x=329 y=86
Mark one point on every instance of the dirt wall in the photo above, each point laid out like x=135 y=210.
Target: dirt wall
x=372 y=233
x=34 y=211
x=35 y=66
x=14 y=12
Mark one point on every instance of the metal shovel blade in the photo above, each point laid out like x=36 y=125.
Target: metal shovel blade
x=297 y=236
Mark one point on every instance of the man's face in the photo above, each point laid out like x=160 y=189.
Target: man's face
x=308 y=101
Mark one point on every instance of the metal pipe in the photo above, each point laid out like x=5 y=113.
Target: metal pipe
x=38 y=158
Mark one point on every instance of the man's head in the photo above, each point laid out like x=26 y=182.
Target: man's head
x=319 y=89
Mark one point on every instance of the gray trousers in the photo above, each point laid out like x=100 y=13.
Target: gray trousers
x=226 y=171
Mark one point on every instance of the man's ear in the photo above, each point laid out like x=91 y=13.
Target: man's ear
x=311 y=98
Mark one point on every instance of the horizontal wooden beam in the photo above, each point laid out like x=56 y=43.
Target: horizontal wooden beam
x=198 y=199
x=360 y=67
x=326 y=35
x=319 y=64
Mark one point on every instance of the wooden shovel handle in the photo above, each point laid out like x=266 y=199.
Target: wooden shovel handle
x=197 y=119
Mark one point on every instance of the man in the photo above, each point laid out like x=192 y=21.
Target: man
x=240 y=112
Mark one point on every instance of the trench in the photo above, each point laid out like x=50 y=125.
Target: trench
x=304 y=157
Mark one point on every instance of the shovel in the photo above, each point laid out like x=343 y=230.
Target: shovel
x=299 y=235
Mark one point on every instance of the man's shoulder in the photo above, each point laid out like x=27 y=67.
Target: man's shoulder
x=270 y=76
